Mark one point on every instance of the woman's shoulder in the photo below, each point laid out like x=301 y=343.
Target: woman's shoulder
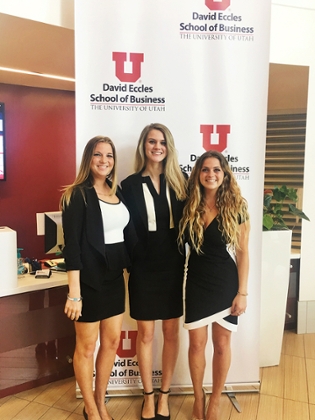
x=81 y=193
x=131 y=179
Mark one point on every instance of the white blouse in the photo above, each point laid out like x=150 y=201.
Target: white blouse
x=115 y=219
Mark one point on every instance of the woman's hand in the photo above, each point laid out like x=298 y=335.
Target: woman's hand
x=239 y=305
x=73 y=309
x=73 y=306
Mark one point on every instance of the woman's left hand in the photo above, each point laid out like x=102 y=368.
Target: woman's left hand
x=239 y=305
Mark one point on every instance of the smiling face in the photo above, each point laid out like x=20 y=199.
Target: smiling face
x=102 y=161
x=211 y=174
x=155 y=147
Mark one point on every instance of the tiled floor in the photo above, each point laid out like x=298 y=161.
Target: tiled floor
x=287 y=393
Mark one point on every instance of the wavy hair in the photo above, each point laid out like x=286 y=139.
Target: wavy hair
x=84 y=177
x=232 y=207
x=173 y=174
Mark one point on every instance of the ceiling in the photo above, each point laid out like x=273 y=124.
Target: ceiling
x=37 y=47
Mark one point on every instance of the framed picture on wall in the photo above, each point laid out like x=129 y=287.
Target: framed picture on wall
x=2 y=143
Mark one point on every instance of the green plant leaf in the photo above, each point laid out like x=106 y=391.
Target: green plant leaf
x=297 y=212
x=278 y=194
x=267 y=221
x=292 y=194
x=267 y=200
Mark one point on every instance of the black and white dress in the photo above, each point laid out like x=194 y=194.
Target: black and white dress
x=156 y=278
x=211 y=283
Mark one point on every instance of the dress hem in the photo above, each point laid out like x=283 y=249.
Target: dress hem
x=218 y=317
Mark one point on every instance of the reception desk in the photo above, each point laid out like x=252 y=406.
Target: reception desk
x=37 y=339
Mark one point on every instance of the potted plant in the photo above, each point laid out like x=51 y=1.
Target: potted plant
x=276 y=256
x=275 y=209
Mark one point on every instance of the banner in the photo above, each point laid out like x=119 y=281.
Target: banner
x=201 y=68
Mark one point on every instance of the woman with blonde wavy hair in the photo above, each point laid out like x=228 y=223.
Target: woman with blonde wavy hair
x=155 y=196
x=215 y=224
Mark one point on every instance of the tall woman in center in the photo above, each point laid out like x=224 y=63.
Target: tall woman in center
x=155 y=196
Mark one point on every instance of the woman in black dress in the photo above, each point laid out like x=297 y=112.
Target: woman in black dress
x=155 y=197
x=216 y=225
x=94 y=222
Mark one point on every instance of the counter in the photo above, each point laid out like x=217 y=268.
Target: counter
x=37 y=339
x=28 y=283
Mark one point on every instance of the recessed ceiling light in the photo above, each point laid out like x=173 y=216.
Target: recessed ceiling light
x=32 y=73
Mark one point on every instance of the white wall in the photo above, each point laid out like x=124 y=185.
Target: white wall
x=293 y=42
x=53 y=12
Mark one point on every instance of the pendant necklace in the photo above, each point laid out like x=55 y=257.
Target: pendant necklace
x=210 y=208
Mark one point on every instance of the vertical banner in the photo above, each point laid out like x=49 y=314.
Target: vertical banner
x=201 y=68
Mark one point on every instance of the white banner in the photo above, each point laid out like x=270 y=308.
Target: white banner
x=201 y=68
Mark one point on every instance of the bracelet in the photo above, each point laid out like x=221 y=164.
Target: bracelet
x=242 y=294
x=74 y=299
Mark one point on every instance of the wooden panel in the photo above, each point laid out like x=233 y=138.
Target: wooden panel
x=273 y=380
x=309 y=342
x=37 y=340
x=249 y=406
x=270 y=408
x=293 y=344
x=294 y=410
x=284 y=159
x=295 y=389
x=310 y=372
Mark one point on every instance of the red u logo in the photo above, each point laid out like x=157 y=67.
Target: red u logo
x=135 y=58
x=207 y=141
x=218 y=4
x=127 y=345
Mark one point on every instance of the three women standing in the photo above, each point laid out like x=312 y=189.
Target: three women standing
x=155 y=196
x=215 y=223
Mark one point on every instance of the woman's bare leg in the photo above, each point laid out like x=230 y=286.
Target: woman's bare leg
x=110 y=330
x=170 y=329
x=221 y=362
x=83 y=363
x=144 y=355
x=197 y=363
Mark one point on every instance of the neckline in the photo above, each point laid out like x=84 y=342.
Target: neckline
x=215 y=218
x=106 y=202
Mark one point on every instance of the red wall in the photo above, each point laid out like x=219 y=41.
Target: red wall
x=40 y=158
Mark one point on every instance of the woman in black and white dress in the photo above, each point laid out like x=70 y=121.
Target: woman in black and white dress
x=155 y=197
x=216 y=226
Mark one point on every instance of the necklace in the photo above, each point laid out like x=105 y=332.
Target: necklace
x=98 y=193
x=210 y=208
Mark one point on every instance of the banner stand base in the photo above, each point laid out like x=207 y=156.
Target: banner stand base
x=230 y=390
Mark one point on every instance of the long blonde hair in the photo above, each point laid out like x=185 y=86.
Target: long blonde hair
x=232 y=207
x=173 y=174
x=84 y=177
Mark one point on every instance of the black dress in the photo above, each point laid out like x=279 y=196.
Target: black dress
x=156 y=277
x=212 y=283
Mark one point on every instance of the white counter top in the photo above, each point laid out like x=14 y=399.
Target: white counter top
x=28 y=283
x=295 y=255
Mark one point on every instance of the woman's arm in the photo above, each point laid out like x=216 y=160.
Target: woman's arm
x=242 y=258
x=73 y=219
